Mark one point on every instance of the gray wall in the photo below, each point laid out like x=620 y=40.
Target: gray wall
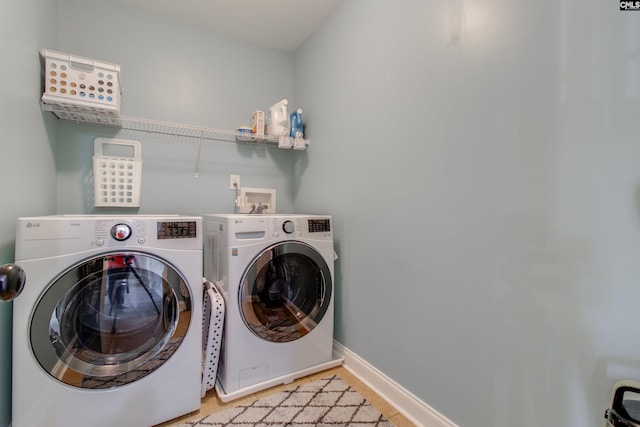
x=481 y=159
x=28 y=170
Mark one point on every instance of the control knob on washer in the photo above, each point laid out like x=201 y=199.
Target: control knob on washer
x=288 y=227
x=121 y=232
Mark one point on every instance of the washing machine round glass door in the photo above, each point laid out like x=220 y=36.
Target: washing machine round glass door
x=285 y=291
x=110 y=320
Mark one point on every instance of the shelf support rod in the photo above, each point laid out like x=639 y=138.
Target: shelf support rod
x=199 y=151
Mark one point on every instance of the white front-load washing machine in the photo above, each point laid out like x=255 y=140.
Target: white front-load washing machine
x=107 y=331
x=275 y=273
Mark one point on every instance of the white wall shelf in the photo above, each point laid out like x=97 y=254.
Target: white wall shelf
x=163 y=128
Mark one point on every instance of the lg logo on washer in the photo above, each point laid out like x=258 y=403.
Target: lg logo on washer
x=33 y=224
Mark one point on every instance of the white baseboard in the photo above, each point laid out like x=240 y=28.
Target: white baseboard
x=417 y=411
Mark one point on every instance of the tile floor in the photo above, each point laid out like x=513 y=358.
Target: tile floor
x=211 y=403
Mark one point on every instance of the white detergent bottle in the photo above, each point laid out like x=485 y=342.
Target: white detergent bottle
x=278 y=119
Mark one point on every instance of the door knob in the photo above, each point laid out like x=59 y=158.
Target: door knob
x=12 y=280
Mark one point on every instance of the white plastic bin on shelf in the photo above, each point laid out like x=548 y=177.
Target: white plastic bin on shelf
x=117 y=172
x=78 y=86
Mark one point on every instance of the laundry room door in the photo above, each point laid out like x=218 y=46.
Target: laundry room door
x=110 y=320
x=285 y=292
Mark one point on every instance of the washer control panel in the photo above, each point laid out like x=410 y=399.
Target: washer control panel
x=118 y=231
x=176 y=230
x=121 y=232
x=50 y=236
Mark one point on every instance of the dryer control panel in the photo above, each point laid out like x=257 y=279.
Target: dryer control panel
x=319 y=225
x=299 y=226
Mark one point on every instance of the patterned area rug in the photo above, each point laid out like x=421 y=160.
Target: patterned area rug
x=326 y=402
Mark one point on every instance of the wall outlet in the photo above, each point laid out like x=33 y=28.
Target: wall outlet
x=234 y=182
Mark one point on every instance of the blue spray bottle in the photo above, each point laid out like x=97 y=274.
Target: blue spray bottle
x=295 y=127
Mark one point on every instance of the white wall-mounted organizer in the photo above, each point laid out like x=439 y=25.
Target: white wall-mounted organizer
x=117 y=172
x=199 y=133
x=80 y=88
x=84 y=90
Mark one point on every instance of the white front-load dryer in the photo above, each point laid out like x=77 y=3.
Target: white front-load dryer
x=107 y=331
x=275 y=273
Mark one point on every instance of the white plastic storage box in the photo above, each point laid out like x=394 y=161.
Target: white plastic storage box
x=75 y=87
x=117 y=172
x=212 y=327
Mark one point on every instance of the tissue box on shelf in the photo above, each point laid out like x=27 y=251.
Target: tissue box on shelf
x=257 y=125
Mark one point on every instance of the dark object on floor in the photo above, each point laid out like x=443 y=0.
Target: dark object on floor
x=625 y=405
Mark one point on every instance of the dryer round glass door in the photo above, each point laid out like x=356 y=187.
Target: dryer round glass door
x=285 y=292
x=110 y=320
